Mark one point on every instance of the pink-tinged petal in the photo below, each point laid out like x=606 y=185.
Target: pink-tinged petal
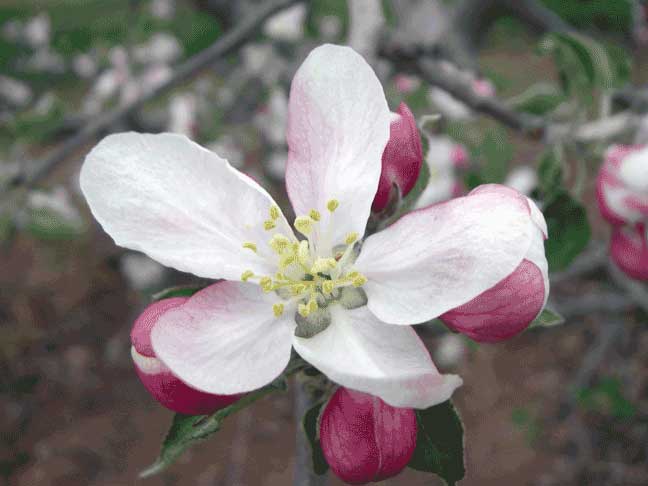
x=179 y=203
x=166 y=388
x=364 y=439
x=360 y=352
x=225 y=339
x=440 y=257
x=338 y=126
x=402 y=158
x=629 y=251
x=141 y=332
x=502 y=311
x=172 y=393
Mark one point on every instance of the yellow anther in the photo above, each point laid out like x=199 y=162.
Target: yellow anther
x=274 y=212
x=359 y=281
x=269 y=224
x=280 y=276
x=314 y=215
x=298 y=289
x=279 y=243
x=353 y=275
x=286 y=260
x=250 y=246
x=303 y=310
x=351 y=238
x=266 y=284
x=304 y=225
x=278 y=309
x=248 y=274
x=303 y=252
x=332 y=205
x=312 y=305
x=328 y=286
x=322 y=265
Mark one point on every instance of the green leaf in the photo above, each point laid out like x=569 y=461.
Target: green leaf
x=179 y=291
x=186 y=430
x=439 y=443
x=550 y=175
x=310 y=424
x=569 y=230
x=496 y=152
x=539 y=99
x=50 y=225
x=547 y=318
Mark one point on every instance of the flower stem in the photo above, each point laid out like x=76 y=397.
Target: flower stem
x=303 y=474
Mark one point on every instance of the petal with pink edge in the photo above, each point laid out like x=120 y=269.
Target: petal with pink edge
x=440 y=257
x=338 y=126
x=179 y=203
x=225 y=339
x=360 y=352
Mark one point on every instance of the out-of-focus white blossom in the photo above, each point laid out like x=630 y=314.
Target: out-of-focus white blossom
x=38 y=30
x=84 y=65
x=287 y=25
x=227 y=148
x=163 y=9
x=14 y=92
x=272 y=119
x=523 y=179
x=160 y=48
x=263 y=61
x=182 y=114
x=275 y=164
x=140 y=271
x=450 y=350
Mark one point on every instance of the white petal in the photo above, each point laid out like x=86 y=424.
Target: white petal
x=338 y=126
x=440 y=257
x=360 y=352
x=225 y=339
x=179 y=203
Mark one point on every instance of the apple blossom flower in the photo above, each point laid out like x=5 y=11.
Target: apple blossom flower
x=364 y=439
x=157 y=378
x=401 y=159
x=343 y=301
x=443 y=158
x=622 y=185
x=629 y=250
x=512 y=304
x=287 y=25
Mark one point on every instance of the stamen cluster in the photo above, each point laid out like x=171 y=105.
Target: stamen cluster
x=303 y=276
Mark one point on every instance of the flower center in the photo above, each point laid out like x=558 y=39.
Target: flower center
x=306 y=278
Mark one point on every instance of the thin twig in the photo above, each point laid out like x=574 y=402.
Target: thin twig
x=226 y=44
x=637 y=291
x=304 y=475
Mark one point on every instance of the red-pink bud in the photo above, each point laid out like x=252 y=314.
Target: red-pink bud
x=629 y=250
x=157 y=378
x=364 y=439
x=503 y=310
x=401 y=159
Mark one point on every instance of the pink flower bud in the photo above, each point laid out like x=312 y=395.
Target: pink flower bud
x=157 y=378
x=483 y=88
x=622 y=185
x=459 y=157
x=629 y=250
x=406 y=84
x=401 y=159
x=510 y=306
x=364 y=439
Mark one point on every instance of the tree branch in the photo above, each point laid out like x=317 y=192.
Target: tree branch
x=226 y=44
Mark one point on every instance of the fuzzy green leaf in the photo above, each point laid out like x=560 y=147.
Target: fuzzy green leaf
x=310 y=424
x=569 y=230
x=439 y=443
x=548 y=318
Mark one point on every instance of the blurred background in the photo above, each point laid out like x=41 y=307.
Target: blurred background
x=566 y=405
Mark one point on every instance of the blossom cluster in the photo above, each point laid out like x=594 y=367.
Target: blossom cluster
x=341 y=297
x=622 y=194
